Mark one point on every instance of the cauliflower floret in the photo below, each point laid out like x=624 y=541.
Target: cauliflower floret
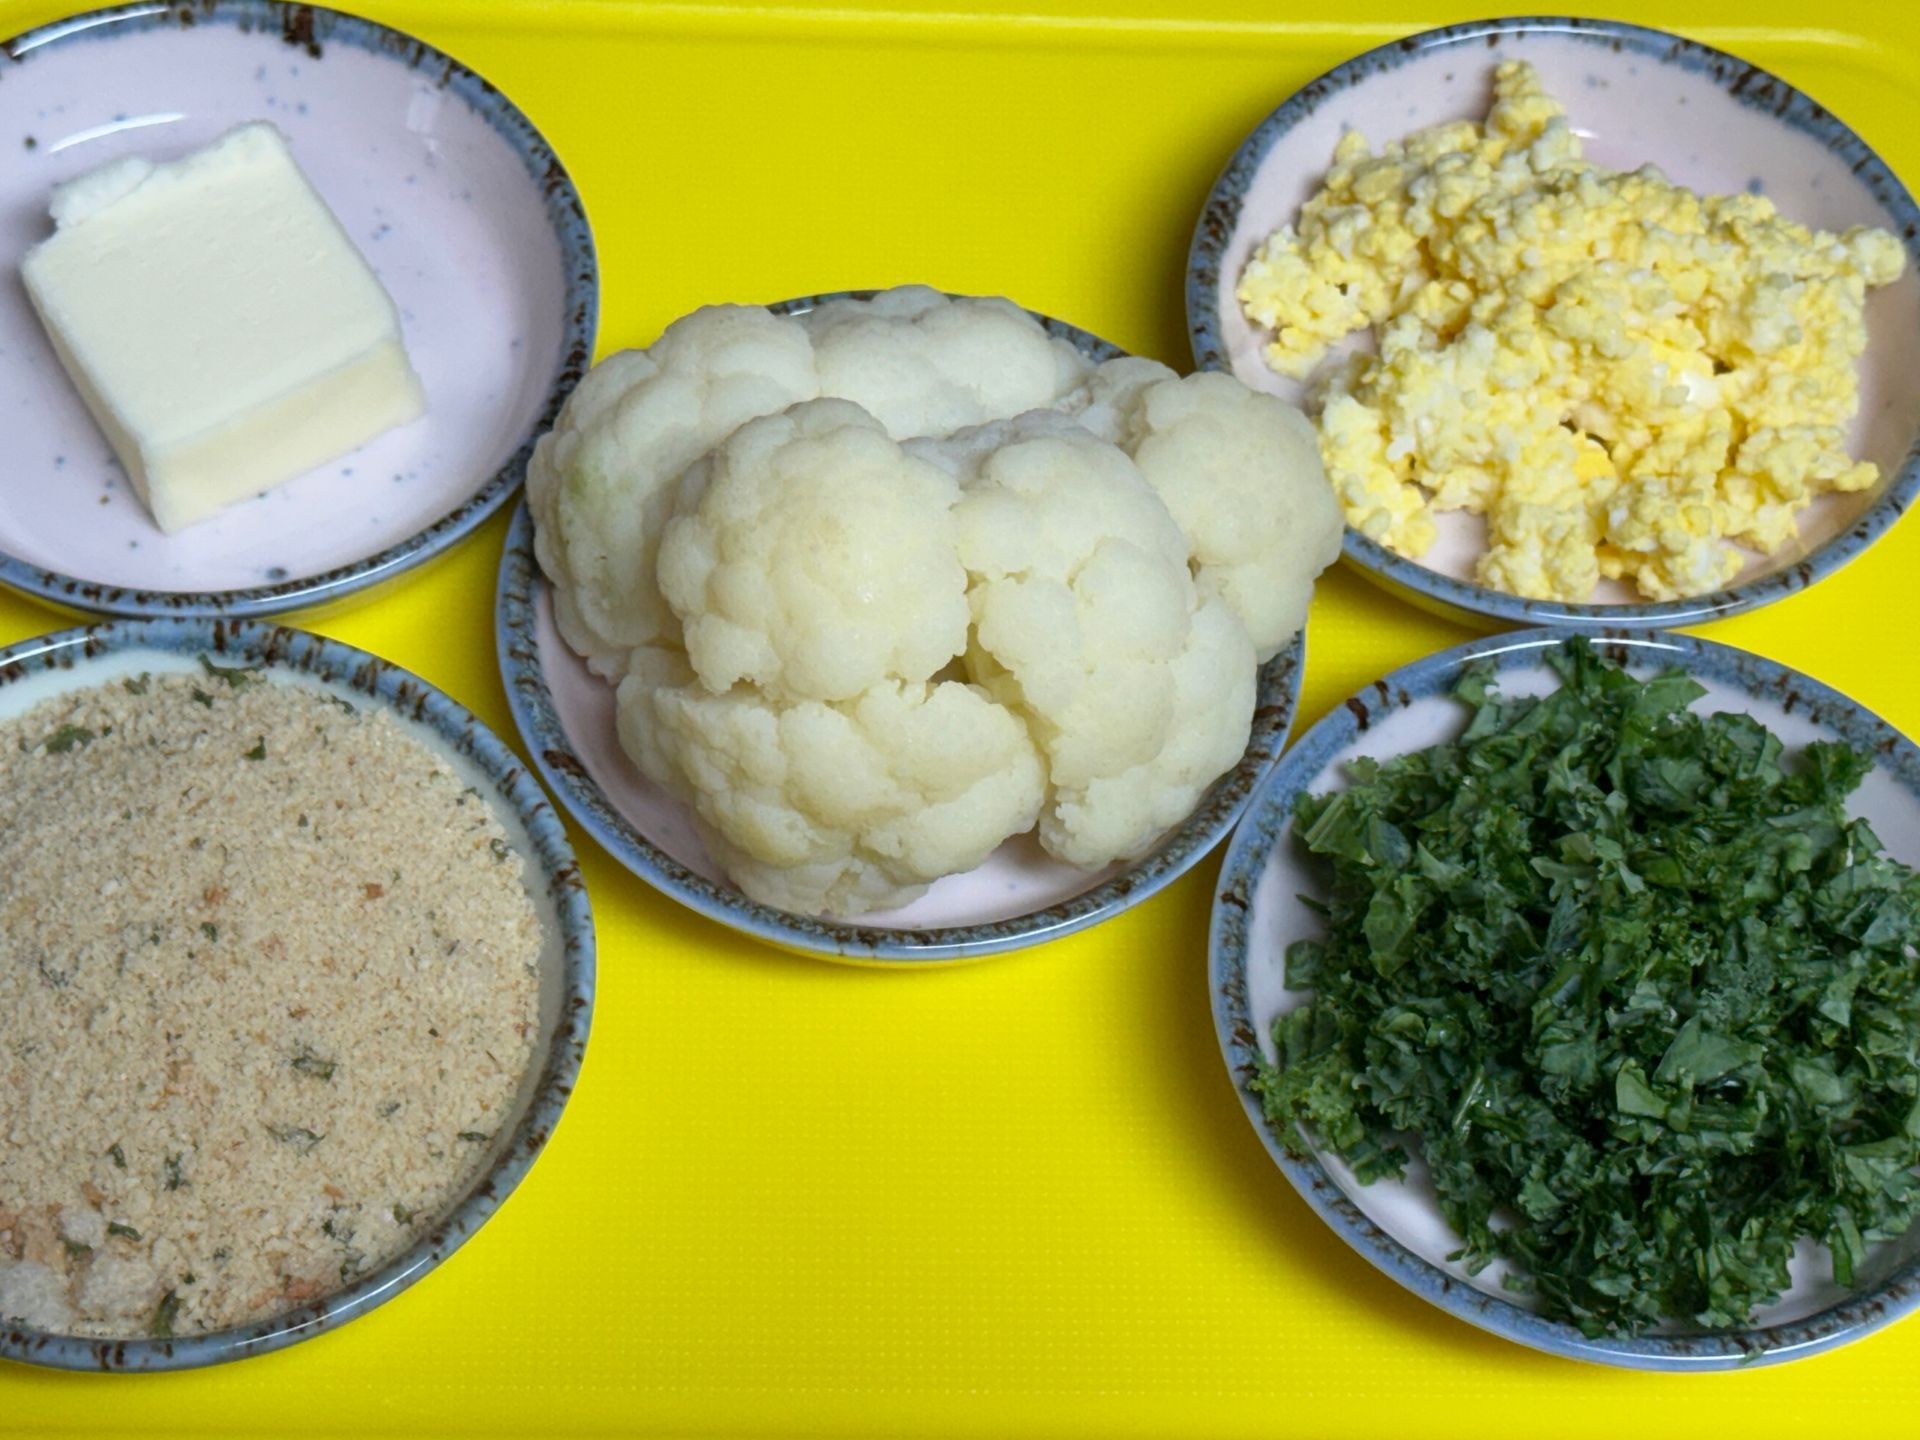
x=842 y=808
x=925 y=364
x=1087 y=623
x=600 y=483
x=1240 y=471
x=1108 y=402
x=813 y=558
x=1213 y=689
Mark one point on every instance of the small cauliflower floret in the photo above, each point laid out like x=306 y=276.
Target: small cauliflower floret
x=650 y=668
x=601 y=482
x=1087 y=624
x=1121 y=815
x=924 y=364
x=1240 y=472
x=1108 y=402
x=845 y=808
x=812 y=557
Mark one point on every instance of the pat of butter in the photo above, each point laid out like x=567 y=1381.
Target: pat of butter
x=218 y=322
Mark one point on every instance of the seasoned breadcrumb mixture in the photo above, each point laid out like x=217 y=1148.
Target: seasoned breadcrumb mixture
x=267 y=992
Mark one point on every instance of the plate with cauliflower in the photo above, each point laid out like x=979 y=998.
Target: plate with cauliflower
x=897 y=626
x=1597 y=325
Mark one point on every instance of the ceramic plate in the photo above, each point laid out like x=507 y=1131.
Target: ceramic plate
x=1397 y=1225
x=1635 y=96
x=1019 y=897
x=447 y=189
x=35 y=670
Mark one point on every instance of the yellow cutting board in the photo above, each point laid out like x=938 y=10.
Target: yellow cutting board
x=1018 y=1198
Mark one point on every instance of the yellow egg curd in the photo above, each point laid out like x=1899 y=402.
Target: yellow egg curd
x=1622 y=376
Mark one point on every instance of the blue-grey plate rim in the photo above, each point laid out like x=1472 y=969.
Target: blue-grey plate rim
x=1266 y=824
x=533 y=712
x=261 y=644
x=1753 y=86
x=312 y=27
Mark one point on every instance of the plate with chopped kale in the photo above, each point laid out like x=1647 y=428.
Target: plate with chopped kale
x=1574 y=984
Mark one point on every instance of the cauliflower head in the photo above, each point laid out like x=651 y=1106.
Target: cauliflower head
x=886 y=583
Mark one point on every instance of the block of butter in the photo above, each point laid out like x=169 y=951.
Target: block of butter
x=218 y=322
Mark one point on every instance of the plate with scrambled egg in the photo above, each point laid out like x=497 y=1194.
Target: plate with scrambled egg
x=1596 y=324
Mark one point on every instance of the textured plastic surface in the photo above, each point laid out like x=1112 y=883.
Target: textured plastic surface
x=1017 y=1198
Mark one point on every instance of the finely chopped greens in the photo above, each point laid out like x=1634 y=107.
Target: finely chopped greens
x=1632 y=983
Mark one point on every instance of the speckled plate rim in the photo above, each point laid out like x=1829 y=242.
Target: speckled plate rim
x=312 y=27
x=263 y=644
x=1266 y=825
x=1754 y=87
x=533 y=711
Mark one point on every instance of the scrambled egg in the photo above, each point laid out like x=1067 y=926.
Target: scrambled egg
x=1619 y=374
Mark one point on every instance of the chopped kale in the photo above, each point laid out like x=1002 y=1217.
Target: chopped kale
x=1643 y=995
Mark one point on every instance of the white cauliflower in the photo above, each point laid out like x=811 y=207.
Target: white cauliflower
x=875 y=603
x=600 y=483
x=924 y=364
x=813 y=558
x=1138 y=690
x=1241 y=473
x=1105 y=404
x=838 y=809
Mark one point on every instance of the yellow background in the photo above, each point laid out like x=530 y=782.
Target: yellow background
x=1017 y=1198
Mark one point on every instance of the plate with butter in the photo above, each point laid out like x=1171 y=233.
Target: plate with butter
x=292 y=292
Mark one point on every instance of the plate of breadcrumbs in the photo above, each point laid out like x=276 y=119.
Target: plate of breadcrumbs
x=303 y=977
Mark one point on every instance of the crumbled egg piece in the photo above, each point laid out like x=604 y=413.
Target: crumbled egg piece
x=1621 y=375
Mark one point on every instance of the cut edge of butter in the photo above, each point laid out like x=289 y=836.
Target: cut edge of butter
x=218 y=323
